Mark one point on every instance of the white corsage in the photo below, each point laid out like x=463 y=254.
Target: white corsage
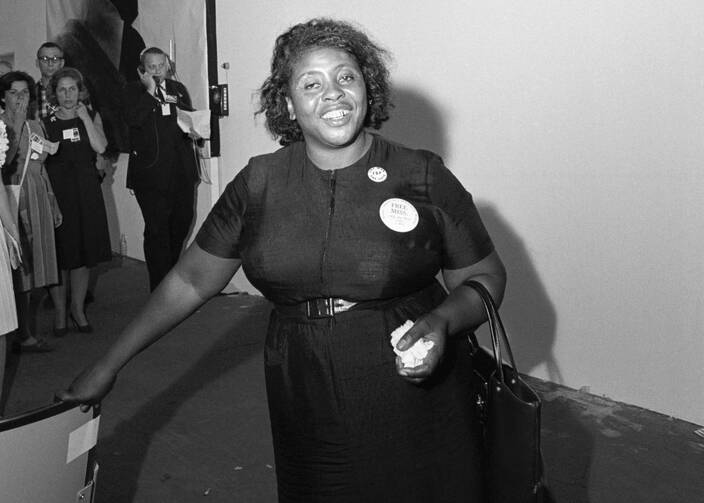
x=4 y=142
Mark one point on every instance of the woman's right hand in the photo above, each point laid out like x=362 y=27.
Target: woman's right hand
x=89 y=387
x=147 y=81
x=20 y=115
x=13 y=247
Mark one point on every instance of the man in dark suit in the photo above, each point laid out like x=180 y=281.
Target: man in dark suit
x=163 y=168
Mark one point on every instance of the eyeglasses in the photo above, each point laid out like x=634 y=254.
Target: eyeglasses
x=53 y=59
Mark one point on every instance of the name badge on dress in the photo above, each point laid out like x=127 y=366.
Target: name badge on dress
x=72 y=134
x=36 y=143
x=377 y=174
x=165 y=109
x=398 y=215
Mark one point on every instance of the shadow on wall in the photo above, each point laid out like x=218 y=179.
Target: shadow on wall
x=415 y=122
x=527 y=311
x=103 y=80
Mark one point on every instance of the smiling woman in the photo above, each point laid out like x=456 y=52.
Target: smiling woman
x=345 y=232
x=368 y=57
x=328 y=100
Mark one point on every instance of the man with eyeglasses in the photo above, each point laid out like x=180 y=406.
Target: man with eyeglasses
x=50 y=59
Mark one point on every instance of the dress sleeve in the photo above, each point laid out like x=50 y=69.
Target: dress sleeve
x=221 y=230
x=465 y=239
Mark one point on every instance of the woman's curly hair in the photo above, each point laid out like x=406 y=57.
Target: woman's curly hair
x=322 y=33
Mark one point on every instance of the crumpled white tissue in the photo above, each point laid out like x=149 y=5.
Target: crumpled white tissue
x=413 y=356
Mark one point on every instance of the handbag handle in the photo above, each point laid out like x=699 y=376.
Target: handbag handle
x=29 y=150
x=496 y=328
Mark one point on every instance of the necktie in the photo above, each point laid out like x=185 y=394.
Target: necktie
x=160 y=95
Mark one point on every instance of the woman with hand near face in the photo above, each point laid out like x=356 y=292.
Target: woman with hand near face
x=83 y=240
x=37 y=211
x=345 y=232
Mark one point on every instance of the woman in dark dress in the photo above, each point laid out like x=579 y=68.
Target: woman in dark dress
x=344 y=232
x=83 y=240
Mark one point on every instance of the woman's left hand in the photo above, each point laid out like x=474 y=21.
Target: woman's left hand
x=433 y=328
x=82 y=112
x=55 y=210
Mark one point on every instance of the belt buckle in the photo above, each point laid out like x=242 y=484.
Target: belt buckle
x=320 y=308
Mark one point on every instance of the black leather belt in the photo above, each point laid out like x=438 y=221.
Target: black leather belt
x=326 y=307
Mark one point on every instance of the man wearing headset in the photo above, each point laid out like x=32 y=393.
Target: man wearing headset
x=162 y=169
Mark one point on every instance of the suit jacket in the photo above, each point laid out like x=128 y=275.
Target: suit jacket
x=161 y=155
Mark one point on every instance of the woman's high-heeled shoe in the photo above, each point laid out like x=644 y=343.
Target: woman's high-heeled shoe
x=84 y=329
x=60 y=332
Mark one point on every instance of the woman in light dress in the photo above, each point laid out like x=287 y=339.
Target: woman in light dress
x=9 y=254
x=37 y=214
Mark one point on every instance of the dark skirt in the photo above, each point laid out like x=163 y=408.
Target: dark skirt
x=82 y=239
x=348 y=428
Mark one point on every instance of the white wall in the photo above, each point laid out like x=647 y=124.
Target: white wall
x=579 y=128
x=19 y=31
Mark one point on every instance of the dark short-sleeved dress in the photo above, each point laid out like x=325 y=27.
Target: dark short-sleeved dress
x=346 y=427
x=83 y=238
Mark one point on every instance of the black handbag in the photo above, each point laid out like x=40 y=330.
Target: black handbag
x=509 y=412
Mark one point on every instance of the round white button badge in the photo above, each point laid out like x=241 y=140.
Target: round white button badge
x=398 y=215
x=377 y=174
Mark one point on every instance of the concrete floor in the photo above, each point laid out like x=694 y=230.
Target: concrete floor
x=187 y=420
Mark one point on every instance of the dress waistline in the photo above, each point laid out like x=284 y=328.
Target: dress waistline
x=328 y=307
